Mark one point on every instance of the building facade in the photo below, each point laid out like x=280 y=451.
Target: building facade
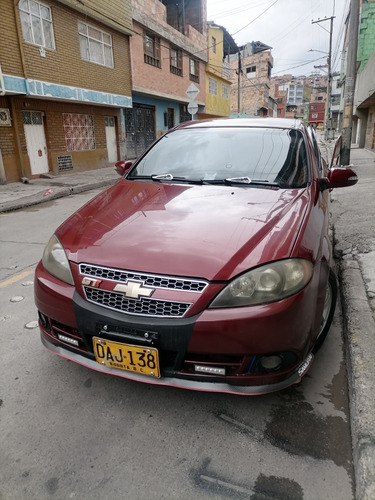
x=218 y=72
x=250 y=95
x=364 y=96
x=65 y=76
x=168 y=54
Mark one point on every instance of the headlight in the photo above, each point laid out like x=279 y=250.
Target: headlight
x=268 y=283
x=56 y=262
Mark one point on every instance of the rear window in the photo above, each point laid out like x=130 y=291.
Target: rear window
x=264 y=154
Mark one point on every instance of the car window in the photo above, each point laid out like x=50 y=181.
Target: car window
x=214 y=154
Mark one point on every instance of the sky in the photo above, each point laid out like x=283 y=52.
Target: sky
x=286 y=26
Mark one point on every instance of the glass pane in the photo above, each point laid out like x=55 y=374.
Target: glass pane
x=260 y=154
x=36 y=118
x=96 y=52
x=37 y=30
x=108 y=59
x=93 y=33
x=26 y=117
x=24 y=5
x=26 y=28
x=48 y=35
x=82 y=28
x=84 y=46
x=34 y=7
x=107 y=39
x=45 y=12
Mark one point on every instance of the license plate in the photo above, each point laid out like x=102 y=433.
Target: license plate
x=132 y=358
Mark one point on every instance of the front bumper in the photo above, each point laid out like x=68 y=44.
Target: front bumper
x=196 y=385
x=233 y=340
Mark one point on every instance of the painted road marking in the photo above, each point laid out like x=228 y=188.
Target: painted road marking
x=16 y=277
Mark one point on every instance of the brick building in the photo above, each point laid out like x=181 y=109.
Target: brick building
x=168 y=54
x=317 y=113
x=254 y=83
x=65 y=76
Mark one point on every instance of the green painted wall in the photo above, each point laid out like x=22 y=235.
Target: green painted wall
x=366 y=38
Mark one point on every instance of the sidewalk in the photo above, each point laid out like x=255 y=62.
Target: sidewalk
x=353 y=219
x=17 y=195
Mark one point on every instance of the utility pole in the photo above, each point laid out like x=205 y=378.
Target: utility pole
x=239 y=71
x=351 y=70
x=329 y=84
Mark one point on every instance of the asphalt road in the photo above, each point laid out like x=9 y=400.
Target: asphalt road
x=68 y=432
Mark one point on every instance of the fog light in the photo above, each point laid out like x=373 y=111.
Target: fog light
x=43 y=320
x=211 y=370
x=270 y=363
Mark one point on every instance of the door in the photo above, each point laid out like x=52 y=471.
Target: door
x=140 y=129
x=35 y=141
x=110 y=135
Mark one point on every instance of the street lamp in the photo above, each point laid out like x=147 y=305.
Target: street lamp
x=316 y=50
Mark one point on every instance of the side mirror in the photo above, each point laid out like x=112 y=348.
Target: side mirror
x=122 y=166
x=339 y=177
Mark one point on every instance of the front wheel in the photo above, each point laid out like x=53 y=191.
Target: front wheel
x=328 y=311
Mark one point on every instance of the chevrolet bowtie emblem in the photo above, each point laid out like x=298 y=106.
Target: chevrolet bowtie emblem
x=134 y=290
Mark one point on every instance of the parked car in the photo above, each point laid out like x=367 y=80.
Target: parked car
x=207 y=266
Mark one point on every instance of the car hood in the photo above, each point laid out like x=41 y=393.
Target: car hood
x=212 y=232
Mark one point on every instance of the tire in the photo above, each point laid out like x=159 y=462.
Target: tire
x=328 y=311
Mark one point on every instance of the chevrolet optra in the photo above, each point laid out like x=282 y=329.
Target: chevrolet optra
x=207 y=266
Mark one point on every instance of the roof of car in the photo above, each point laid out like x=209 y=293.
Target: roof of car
x=282 y=123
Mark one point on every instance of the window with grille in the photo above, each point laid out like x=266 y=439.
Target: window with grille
x=225 y=91
x=36 y=23
x=212 y=86
x=152 y=50
x=32 y=118
x=176 y=61
x=194 y=70
x=95 y=45
x=79 y=132
x=213 y=44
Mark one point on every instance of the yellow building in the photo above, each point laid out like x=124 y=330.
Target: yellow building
x=218 y=72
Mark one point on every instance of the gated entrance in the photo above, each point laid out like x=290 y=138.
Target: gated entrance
x=35 y=141
x=140 y=129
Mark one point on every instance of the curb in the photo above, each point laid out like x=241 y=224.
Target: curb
x=37 y=198
x=359 y=329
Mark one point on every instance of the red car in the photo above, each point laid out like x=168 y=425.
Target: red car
x=207 y=266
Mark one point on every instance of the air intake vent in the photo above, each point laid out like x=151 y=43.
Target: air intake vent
x=65 y=162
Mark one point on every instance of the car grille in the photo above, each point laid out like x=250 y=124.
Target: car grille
x=144 y=306
x=154 y=281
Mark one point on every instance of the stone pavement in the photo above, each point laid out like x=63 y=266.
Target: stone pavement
x=353 y=219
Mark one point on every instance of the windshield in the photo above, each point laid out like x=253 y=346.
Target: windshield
x=265 y=155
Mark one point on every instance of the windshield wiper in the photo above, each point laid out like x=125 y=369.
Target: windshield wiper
x=238 y=180
x=162 y=177
x=166 y=177
x=247 y=180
